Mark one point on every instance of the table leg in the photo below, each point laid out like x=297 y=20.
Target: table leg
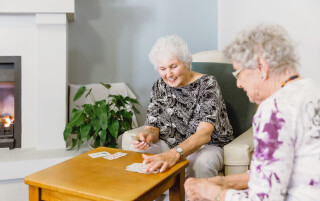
x=34 y=193
x=176 y=192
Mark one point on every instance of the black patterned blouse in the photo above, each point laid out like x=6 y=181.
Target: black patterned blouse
x=177 y=111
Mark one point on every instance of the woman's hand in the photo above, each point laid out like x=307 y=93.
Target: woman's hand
x=201 y=189
x=235 y=181
x=164 y=161
x=145 y=137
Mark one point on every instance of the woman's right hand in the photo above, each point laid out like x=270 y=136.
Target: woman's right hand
x=144 y=138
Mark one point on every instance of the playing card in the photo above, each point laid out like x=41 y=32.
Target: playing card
x=99 y=154
x=140 y=168
x=115 y=156
x=136 y=139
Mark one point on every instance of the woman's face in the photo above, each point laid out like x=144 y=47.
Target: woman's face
x=173 y=72
x=250 y=81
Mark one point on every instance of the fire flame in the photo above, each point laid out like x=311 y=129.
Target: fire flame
x=7 y=121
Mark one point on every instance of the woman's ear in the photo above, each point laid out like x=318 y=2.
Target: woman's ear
x=263 y=67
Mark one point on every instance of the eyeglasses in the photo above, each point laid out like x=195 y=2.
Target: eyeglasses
x=236 y=73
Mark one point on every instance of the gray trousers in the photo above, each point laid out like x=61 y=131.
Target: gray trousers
x=206 y=162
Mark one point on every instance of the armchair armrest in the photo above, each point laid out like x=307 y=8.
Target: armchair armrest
x=237 y=154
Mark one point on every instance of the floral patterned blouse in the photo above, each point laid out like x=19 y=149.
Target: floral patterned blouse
x=177 y=111
x=286 y=160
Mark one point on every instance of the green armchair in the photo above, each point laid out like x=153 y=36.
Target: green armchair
x=237 y=154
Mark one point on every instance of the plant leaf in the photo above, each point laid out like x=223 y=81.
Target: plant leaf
x=131 y=100
x=67 y=131
x=96 y=110
x=114 y=129
x=76 y=118
x=74 y=142
x=125 y=114
x=87 y=109
x=124 y=126
x=79 y=144
x=104 y=120
x=103 y=105
x=79 y=93
x=84 y=131
x=102 y=135
x=96 y=124
x=74 y=110
x=117 y=100
x=108 y=86
x=88 y=137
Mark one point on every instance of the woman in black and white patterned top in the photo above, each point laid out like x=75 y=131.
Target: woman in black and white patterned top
x=186 y=116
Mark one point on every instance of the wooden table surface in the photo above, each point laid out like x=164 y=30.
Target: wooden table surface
x=85 y=178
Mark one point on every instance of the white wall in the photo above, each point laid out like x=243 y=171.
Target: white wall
x=110 y=40
x=301 y=18
x=13 y=190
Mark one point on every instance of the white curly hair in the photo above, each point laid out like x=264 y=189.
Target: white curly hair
x=271 y=42
x=168 y=47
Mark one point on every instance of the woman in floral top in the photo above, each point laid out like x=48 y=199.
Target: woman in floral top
x=186 y=116
x=286 y=161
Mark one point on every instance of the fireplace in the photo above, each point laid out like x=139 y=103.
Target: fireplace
x=10 y=102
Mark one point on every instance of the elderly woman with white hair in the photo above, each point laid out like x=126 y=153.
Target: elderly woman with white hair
x=186 y=117
x=286 y=161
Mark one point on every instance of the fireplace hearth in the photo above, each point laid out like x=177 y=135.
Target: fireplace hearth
x=10 y=102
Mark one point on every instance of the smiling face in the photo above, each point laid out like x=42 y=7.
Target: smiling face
x=174 y=72
x=250 y=81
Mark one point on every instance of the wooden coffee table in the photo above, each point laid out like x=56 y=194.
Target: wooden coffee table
x=83 y=178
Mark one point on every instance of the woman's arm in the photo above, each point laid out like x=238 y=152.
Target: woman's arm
x=211 y=188
x=190 y=145
x=200 y=137
x=150 y=133
x=236 y=181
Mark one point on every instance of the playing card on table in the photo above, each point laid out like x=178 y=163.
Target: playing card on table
x=99 y=154
x=115 y=156
x=140 y=167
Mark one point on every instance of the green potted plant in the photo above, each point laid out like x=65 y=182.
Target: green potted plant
x=102 y=121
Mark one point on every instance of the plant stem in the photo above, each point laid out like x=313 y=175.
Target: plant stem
x=92 y=98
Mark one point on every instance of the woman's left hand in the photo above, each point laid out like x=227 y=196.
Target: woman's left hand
x=164 y=161
x=201 y=189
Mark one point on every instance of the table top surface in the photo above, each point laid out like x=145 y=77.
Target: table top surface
x=94 y=178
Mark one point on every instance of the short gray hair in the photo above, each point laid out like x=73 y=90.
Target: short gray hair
x=170 y=46
x=272 y=42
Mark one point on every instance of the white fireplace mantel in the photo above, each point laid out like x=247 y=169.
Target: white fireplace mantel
x=37 y=30
x=38 y=6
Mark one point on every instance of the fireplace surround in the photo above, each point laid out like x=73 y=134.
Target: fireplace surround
x=10 y=110
x=37 y=31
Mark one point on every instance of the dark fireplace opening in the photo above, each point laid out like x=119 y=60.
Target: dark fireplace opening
x=10 y=102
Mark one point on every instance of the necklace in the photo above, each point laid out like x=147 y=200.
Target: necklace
x=289 y=79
